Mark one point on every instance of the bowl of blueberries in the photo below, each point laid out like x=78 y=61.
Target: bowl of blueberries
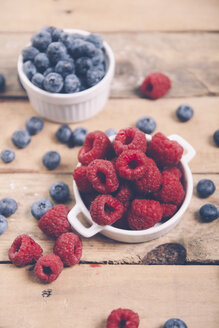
x=66 y=73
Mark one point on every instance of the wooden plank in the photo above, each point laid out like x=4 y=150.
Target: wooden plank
x=200 y=240
x=117 y=114
x=151 y=15
x=191 y=60
x=83 y=296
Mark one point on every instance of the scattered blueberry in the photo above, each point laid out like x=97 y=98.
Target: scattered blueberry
x=2 y=83
x=98 y=58
x=175 y=323
x=41 y=61
x=81 y=48
x=41 y=40
x=8 y=206
x=209 y=212
x=29 y=69
x=21 y=138
x=56 y=34
x=72 y=84
x=82 y=65
x=56 y=51
x=7 y=155
x=59 y=191
x=65 y=67
x=3 y=224
x=205 y=188
x=216 y=137
x=34 y=125
x=37 y=80
x=95 y=39
x=146 y=124
x=40 y=207
x=184 y=113
x=94 y=76
x=110 y=132
x=29 y=53
x=53 y=82
x=51 y=160
x=63 y=133
x=78 y=136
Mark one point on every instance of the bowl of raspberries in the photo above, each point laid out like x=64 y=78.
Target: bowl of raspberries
x=131 y=187
x=66 y=73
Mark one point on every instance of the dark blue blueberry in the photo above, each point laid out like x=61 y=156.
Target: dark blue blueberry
x=41 y=40
x=48 y=29
x=56 y=34
x=2 y=83
x=29 y=69
x=34 y=125
x=51 y=160
x=205 y=188
x=53 y=82
x=56 y=51
x=98 y=58
x=146 y=124
x=49 y=70
x=59 y=192
x=110 y=132
x=216 y=137
x=184 y=113
x=37 y=80
x=8 y=206
x=81 y=48
x=209 y=212
x=82 y=65
x=95 y=39
x=29 y=53
x=40 y=207
x=94 y=76
x=175 y=323
x=65 y=67
x=41 y=61
x=7 y=155
x=78 y=136
x=21 y=138
x=72 y=84
x=63 y=133
x=3 y=224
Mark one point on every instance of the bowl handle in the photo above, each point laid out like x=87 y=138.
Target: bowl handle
x=190 y=151
x=79 y=227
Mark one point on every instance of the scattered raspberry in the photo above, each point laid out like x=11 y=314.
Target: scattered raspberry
x=124 y=193
x=131 y=164
x=175 y=171
x=106 y=209
x=155 y=85
x=48 y=267
x=69 y=248
x=80 y=177
x=122 y=318
x=24 y=250
x=102 y=175
x=55 y=221
x=164 y=151
x=144 y=214
x=96 y=146
x=168 y=210
x=130 y=138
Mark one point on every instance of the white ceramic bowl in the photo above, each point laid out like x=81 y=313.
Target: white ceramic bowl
x=75 y=107
x=134 y=236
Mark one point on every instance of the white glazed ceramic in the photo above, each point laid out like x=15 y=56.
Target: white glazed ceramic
x=130 y=236
x=70 y=108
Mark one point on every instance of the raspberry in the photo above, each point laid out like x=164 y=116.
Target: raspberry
x=130 y=138
x=124 y=193
x=131 y=164
x=123 y=222
x=151 y=180
x=81 y=179
x=175 y=171
x=69 y=248
x=125 y=318
x=24 y=250
x=155 y=85
x=144 y=214
x=48 y=267
x=106 y=209
x=96 y=146
x=55 y=221
x=168 y=210
x=164 y=151
x=102 y=175
x=88 y=198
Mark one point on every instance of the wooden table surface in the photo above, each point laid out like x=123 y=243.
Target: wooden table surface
x=180 y=39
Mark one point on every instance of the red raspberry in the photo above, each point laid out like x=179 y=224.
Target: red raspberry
x=55 y=221
x=168 y=210
x=96 y=145
x=151 y=180
x=24 y=250
x=102 y=175
x=123 y=318
x=175 y=171
x=124 y=193
x=80 y=177
x=164 y=151
x=130 y=138
x=69 y=248
x=155 y=85
x=123 y=222
x=106 y=209
x=144 y=214
x=48 y=267
x=131 y=164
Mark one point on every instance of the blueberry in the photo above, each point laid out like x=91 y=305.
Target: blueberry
x=65 y=67
x=98 y=58
x=72 y=84
x=29 y=53
x=48 y=29
x=3 y=224
x=2 y=83
x=82 y=64
x=41 y=40
x=51 y=160
x=216 y=137
x=95 y=39
x=37 y=80
x=56 y=51
x=8 y=206
x=21 y=138
x=110 y=132
x=29 y=69
x=40 y=207
x=209 y=212
x=34 y=125
x=56 y=34
x=205 y=188
x=49 y=70
x=41 y=61
x=7 y=155
x=53 y=82
x=63 y=133
x=94 y=76
x=146 y=124
x=184 y=113
x=81 y=48
x=59 y=192
x=175 y=323
x=78 y=136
